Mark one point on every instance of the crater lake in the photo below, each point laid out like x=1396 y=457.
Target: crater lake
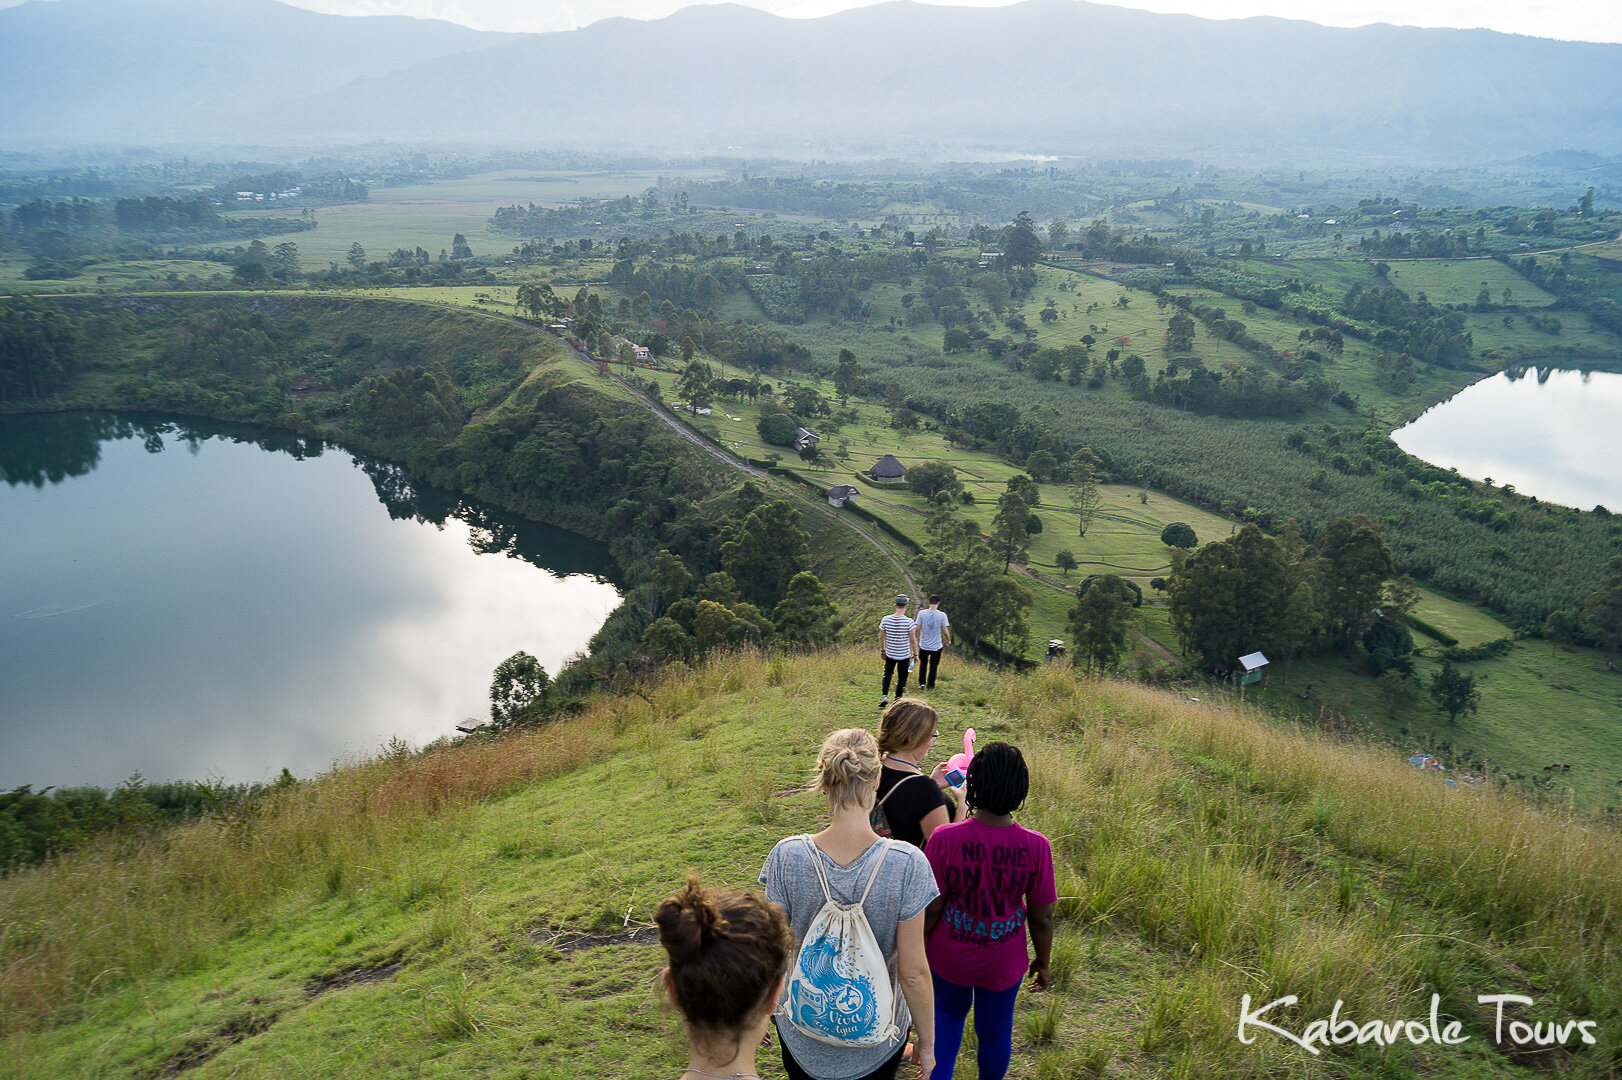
x=194 y=600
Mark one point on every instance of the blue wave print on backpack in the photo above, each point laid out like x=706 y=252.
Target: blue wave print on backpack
x=840 y=989
x=832 y=999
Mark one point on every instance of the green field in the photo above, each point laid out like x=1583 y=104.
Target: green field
x=1540 y=705
x=1460 y=281
x=116 y=275
x=430 y=215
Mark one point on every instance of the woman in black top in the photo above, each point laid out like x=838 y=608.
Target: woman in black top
x=915 y=803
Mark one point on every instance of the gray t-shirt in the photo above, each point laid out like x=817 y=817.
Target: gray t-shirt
x=931 y=621
x=902 y=890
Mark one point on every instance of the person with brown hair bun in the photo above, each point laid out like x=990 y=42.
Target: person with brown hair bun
x=898 y=885
x=728 y=951
x=914 y=803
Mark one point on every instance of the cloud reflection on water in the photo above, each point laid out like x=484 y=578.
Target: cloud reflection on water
x=257 y=611
x=1554 y=434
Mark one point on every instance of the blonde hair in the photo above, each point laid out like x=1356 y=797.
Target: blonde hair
x=906 y=723
x=848 y=767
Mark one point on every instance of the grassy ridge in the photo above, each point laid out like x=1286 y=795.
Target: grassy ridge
x=1204 y=853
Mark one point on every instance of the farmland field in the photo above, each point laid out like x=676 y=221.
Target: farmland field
x=429 y=215
x=1459 y=281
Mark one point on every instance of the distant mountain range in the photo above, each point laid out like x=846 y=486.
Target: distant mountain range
x=1046 y=77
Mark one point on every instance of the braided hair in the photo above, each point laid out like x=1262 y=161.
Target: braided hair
x=998 y=780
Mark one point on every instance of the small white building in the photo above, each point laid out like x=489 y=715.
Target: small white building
x=1249 y=669
x=840 y=494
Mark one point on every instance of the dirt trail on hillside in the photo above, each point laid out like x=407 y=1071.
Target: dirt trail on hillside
x=760 y=475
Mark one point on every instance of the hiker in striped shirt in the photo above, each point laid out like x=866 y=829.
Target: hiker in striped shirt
x=897 y=631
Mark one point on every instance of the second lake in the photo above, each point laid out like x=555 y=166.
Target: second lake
x=1553 y=433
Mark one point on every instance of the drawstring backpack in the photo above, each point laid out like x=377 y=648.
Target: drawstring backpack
x=839 y=989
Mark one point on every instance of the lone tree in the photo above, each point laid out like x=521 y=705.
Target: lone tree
x=1010 y=529
x=518 y=683
x=1021 y=246
x=848 y=376
x=695 y=385
x=1082 y=490
x=776 y=428
x=1353 y=566
x=1101 y=622
x=1455 y=692
x=1065 y=561
x=1179 y=534
x=933 y=477
x=806 y=614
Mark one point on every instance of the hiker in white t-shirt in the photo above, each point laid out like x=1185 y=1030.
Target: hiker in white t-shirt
x=930 y=635
x=897 y=637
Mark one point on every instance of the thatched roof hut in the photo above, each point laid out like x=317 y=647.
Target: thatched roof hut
x=887 y=470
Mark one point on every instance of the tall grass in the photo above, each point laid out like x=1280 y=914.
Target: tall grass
x=1278 y=861
x=1202 y=853
x=132 y=906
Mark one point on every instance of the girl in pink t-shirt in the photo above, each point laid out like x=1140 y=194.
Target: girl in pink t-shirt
x=995 y=877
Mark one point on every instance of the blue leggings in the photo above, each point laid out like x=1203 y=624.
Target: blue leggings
x=993 y=1027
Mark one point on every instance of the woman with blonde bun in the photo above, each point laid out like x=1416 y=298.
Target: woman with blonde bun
x=849 y=853
x=728 y=951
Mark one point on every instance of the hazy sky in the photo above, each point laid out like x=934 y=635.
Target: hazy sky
x=1571 y=20
x=1576 y=20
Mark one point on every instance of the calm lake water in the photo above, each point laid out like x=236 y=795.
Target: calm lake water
x=192 y=600
x=1552 y=433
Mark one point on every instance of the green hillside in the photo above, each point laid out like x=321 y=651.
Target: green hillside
x=482 y=908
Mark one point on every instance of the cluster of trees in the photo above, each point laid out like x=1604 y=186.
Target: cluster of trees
x=1414 y=327
x=715 y=613
x=799 y=290
x=1238 y=393
x=749 y=345
x=1419 y=244
x=1599 y=620
x=163 y=214
x=700 y=287
x=1286 y=596
x=65 y=236
x=225 y=339
x=333 y=186
x=1102 y=622
x=411 y=403
x=39 y=349
x=74 y=215
x=1584 y=291
x=259 y=262
x=989 y=606
x=532 y=220
x=1509 y=574
x=37 y=824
